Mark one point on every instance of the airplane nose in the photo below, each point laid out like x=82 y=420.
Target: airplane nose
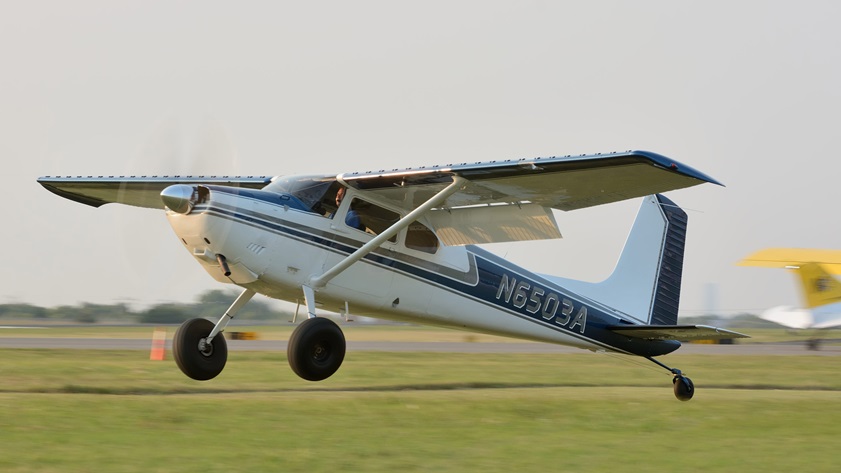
x=179 y=198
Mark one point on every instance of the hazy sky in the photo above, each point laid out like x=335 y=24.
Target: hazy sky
x=747 y=92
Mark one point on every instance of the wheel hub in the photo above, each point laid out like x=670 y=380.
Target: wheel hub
x=205 y=347
x=320 y=352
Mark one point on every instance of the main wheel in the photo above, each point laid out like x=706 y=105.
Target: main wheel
x=316 y=349
x=197 y=358
x=684 y=389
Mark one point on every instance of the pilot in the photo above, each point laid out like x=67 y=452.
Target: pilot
x=352 y=217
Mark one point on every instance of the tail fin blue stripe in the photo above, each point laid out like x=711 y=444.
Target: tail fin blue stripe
x=667 y=297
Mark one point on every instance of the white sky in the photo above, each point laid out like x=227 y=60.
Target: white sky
x=747 y=92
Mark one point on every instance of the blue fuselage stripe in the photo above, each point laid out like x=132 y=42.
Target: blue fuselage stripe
x=507 y=288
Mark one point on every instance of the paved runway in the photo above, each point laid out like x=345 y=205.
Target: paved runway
x=441 y=347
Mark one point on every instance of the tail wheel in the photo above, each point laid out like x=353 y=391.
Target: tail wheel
x=316 y=349
x=684 y=388
x=198 y=358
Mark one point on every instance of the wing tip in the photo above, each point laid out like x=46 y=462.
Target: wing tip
x=676 y=166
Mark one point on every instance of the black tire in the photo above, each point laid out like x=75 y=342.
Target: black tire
x=195 y=363
x=316 y=349
x=684 y=388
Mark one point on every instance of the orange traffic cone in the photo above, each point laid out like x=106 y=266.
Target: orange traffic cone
x=158 y=345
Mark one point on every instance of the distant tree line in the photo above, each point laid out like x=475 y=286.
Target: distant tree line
x=211 y=305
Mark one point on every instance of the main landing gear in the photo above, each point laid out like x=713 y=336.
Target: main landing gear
x=683 y=386
x=316 y=348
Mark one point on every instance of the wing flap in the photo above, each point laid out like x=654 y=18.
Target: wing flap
x=137 y=191
x=681 y=333
x=493 y=224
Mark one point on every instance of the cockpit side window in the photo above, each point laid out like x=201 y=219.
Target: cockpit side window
x=421 y=238
x=330 y=201
x=370 y=218
x=317 y=193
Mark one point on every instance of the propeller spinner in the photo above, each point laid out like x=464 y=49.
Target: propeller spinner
x=180 y=198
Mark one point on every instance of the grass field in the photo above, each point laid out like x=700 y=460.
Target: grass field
x=98 y=410
x=372 y=332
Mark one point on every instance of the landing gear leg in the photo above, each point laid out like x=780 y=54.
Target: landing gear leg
x=197 y=350
x=316 y=348
x=683 y=386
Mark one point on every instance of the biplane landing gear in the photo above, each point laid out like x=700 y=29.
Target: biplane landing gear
x=316 y=349
x=197 y=357
x=684 y=387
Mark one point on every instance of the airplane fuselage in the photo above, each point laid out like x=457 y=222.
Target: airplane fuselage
x=274 y=247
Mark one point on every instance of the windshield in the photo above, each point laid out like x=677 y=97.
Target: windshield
x=311 y=190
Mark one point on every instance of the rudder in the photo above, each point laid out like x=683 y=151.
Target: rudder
x=667 y=294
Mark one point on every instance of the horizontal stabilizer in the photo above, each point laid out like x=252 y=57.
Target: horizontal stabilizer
x=681 y=333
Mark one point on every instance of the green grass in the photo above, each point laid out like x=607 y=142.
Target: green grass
x=374 y=332
x=98 y=410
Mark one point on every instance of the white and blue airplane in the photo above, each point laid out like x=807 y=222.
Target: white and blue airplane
x=401 y=245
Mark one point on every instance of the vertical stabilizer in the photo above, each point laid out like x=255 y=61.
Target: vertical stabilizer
x=819 y=287
x=645 y=285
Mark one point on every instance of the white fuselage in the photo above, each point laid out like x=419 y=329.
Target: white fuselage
x=275 y=250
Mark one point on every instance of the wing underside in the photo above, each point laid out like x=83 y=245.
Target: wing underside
x=562 y=183
x=138 y=191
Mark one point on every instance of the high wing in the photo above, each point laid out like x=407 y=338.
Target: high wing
x=563 y=183
x=139 y=191
x=511 y=200
x=830 y=260
x=497 y=201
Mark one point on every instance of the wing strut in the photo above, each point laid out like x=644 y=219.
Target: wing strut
x=317 y=282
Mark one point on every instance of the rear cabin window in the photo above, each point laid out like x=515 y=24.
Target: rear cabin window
x=370 y=218
x=421 y=238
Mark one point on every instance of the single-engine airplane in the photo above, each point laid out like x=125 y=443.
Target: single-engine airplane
x=401 y=245
x=821 y=291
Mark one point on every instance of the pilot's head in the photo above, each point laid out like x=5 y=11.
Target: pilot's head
x=340 y=194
